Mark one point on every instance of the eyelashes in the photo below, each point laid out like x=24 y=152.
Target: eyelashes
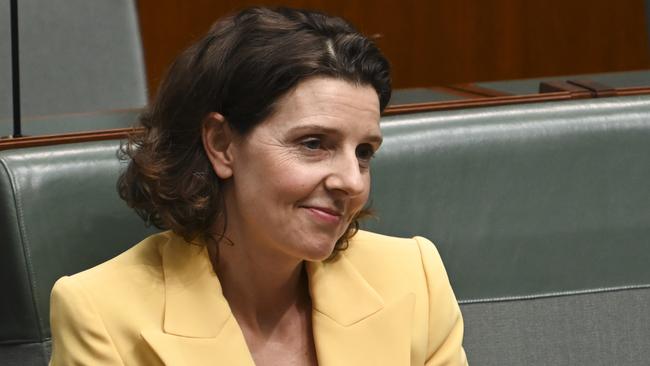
x=312 y=143
x=365 y=152
x=317 y=144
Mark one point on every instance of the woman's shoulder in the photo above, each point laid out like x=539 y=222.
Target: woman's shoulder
x=136 y=276
x=380 y=256
x=124 y=274
x=366 y=244
x=396 y=267
x=112 y=301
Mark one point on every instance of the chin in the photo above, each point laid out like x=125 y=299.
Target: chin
x=318 y=251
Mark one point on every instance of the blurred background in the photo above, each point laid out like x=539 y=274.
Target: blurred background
x=440 y=42
x=107 y=57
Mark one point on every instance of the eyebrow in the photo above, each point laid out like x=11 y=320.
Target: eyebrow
x=311 y=128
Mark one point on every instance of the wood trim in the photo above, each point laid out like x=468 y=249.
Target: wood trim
x=598 y=89
x=458 y=92
x=506 y=100
x=475 y=103
x=41 y=140
x=561 y=85
x=122 y=133
x=478 y=90
x=633 y=91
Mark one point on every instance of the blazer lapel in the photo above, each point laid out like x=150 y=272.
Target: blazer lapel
x=352 y=324
x=198 y=326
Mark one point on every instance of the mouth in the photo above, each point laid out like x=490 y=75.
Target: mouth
x=325 y=214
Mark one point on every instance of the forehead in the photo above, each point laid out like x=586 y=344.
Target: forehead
x=328 y=101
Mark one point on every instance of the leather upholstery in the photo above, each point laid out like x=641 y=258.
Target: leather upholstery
x=52 y=199
x=541 y=214
x=6 y=100
x=523 y=200
x=597 y=329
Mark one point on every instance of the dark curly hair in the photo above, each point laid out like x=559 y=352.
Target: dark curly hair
x=244 y=64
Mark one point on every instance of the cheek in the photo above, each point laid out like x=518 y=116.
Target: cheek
x=289 y=181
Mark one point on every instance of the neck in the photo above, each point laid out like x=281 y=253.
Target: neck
x=261 y=289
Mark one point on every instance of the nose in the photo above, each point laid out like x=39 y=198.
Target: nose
x=346 y=175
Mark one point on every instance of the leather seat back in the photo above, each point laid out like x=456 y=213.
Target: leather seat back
x=59 y=214
x=526 y=203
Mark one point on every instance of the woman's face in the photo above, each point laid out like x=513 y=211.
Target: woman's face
x=296 y=181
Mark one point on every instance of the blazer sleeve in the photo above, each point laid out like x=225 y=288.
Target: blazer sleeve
x=445 y=345
x=79 y=336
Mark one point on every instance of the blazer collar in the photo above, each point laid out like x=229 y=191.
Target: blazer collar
x=352 y=323
x=194 y=303
x=199 y=327
x=339 y=292
x=195 y=306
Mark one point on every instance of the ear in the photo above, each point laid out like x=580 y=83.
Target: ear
x=217 y=139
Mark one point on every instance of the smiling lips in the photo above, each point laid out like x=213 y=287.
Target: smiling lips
x=325 y=214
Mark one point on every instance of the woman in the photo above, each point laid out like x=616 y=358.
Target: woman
x=256 y=157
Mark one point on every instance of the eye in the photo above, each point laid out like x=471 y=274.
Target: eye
x=312 y=143
x=365 y=152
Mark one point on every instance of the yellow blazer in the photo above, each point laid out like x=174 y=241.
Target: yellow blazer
x=383 y=301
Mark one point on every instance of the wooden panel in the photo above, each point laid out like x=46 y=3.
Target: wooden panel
x=65 y=138
x=444 y=41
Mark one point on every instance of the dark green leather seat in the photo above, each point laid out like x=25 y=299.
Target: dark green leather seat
x=541 y=213
x=59 y=214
